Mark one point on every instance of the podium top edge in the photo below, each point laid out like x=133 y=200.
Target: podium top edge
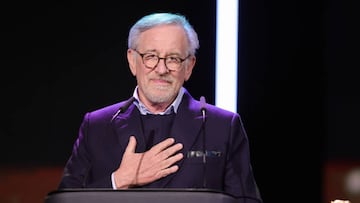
x=190 y=190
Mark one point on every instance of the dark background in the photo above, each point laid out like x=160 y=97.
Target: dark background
x=298 y=87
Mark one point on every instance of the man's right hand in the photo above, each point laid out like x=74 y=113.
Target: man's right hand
x=138 y=169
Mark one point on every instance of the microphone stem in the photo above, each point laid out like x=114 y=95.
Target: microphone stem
x=204 y=149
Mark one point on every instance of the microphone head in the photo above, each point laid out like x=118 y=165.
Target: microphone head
x=127 y=104
x=123 y=108
x=202 y=103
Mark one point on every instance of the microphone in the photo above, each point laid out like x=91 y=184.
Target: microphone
x=203 y=107
x=214 y=153
x=123 y=108
x=203 y=111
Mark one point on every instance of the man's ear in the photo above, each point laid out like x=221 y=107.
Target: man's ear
x=132 y=61
x=189 y=67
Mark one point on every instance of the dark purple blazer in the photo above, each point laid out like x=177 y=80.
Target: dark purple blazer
x=100 y=145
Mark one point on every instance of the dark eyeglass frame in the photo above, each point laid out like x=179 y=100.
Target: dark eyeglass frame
x=165 y=61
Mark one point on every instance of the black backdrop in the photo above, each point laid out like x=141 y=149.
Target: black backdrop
x=63 y=59
x=297 y=91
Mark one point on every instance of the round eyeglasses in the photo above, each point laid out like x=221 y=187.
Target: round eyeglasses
x=151 y=60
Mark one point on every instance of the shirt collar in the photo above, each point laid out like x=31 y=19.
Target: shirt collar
x=172 y=108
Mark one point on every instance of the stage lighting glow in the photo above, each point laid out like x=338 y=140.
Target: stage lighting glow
x=226 y=54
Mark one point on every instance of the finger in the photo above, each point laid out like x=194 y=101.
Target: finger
x=162 y=145
x=171 y=150
x=171 y=160
x=168 y=171
x=131 y=145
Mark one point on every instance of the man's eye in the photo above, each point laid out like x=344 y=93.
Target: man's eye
x=150 y=56
x=173 y=59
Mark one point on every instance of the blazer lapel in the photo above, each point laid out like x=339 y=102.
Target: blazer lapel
x=127 y=124
x=186 y=128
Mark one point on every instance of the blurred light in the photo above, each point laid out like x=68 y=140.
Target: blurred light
x=226 y=54
x=352 y=182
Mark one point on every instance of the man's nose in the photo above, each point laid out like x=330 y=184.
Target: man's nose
x=161 y=66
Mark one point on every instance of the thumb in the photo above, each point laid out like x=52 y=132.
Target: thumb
x=131 y=145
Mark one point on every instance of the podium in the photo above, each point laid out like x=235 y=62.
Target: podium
x=141 y=195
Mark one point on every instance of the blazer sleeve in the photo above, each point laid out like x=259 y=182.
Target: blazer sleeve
x=78 y=167
x=239 y=178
